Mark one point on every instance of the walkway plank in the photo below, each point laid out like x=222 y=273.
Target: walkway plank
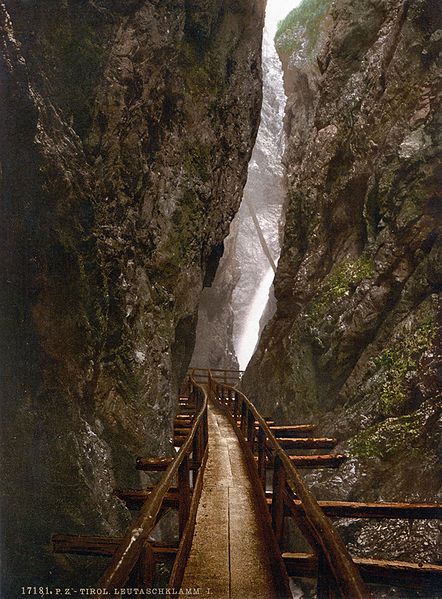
x=228 y=550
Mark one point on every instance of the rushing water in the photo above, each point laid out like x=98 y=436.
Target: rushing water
x=265 y=193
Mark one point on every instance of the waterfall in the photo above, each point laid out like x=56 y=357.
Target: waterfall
x=252 y=300
x=240 y=302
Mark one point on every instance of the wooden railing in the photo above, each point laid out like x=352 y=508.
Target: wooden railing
x=337 y=573
x=134 y=550
x=330 y=563
x=134 y=556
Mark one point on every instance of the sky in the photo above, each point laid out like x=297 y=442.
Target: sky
x=277 y=10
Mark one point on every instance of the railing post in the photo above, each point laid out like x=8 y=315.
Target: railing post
x=184 y=494
x=229 y=400
x=197 y=450
x=262 y=457
x=251 y=430
x=145 y=571
x=325 y=588
x=205 y=425
x=235 y=406
x=243 y=418
x=278 y=488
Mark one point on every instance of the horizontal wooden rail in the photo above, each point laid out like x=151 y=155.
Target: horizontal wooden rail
x=317 y=461
x=373 y=571
x=98 y=545
x=309 y=462
x=317 y=526
x=307 y=443
x=134 y=498
x=160 y=464
x=359 y=509
x=294 y=429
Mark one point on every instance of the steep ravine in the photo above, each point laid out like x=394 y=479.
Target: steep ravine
x=355 y=342
x=228 y=317
x=127 y=128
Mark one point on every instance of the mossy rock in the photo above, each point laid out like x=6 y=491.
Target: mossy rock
x=339 y=283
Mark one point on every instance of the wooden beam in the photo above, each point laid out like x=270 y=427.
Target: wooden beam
x=186 y=412
x=158 y=464
x=307 y=443
x=98 y=545
x=318 y=461
x=313 y=461
x=181 y=431
x=291 y=429
x=153 y=464
x=134 y=498
x=409 y=574
x=184 y=423
x=352 y=509
x=268 y=420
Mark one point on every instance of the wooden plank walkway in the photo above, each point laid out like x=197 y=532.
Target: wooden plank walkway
x=228 y=554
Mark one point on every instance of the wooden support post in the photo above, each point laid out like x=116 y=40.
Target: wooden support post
x=235 y=406
x=184 y=494
x=326 y=588
x=197 y=449
x=205 y=426
x=243 y=418
x=279 y=483
x=262 y=457
x=221 y=398
x=251 y=431
x=229 y=400
x=146 y=567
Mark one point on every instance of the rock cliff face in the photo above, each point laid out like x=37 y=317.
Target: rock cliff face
x=355 y=342
x=127 y=129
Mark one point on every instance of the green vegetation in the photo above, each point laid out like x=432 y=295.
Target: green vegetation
x=400 y=360
x=301 y=25
x=386 y=438
x=339 y=283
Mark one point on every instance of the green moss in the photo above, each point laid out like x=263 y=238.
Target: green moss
x=397 y=361
x=301 y=25
x=386 y=438
x=339 y=283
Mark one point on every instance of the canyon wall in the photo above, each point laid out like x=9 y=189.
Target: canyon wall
x=355 y=342
x=127 y=127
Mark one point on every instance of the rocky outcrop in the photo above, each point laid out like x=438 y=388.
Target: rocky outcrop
x=355 y=342
x=127 y=129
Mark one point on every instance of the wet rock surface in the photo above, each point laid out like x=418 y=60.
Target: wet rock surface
x=355 y=342
x=126 y=133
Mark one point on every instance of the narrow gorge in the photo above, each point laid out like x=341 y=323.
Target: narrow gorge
x=233 y=184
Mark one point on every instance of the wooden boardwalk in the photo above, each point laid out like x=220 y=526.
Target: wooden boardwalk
x=228 y=554
x=231 y=534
